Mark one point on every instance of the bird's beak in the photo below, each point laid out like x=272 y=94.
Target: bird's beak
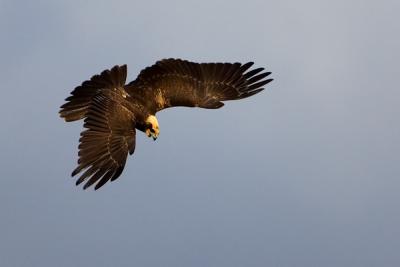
x=155 y=135
x=150 y=134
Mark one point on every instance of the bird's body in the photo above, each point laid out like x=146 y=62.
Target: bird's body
x=112 y=110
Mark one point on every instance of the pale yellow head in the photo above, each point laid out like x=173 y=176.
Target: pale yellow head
x=152 y=128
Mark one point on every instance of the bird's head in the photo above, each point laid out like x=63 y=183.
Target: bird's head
x=152 y=128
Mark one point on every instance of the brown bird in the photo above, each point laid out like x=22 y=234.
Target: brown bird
x=112 y=110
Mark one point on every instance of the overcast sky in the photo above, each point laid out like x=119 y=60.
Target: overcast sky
x=305 y=173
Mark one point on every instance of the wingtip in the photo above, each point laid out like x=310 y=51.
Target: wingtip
x=98 y=186
x=86 y=186
x=116 y=67
x=75 y=172
x=248 y=64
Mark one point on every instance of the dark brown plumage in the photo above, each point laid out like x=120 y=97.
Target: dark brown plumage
x=112 y=110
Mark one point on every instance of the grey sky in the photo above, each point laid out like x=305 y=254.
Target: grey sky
x=303 y=174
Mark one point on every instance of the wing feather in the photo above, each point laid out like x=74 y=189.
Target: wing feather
x=105 y=144
x=79 y=101
x=175 y=82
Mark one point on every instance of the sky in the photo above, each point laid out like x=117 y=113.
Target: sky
x=305 y=173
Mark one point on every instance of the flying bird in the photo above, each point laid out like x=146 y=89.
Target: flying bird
x=113 y=110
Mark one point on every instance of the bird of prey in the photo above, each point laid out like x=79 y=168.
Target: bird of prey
x=113 y=110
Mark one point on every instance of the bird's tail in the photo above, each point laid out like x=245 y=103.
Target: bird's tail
x=81 y=97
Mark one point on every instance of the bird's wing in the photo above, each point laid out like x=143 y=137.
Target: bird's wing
x=79 y=100
x=175 y=82
x=104 y=146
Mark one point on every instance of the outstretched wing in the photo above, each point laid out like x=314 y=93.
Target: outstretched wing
x=80 y=99
x=104 y=146
x=175 y=82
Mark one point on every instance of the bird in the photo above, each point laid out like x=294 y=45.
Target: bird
x=112 y=110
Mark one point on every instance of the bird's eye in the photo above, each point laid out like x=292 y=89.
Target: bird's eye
x=152 y=130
